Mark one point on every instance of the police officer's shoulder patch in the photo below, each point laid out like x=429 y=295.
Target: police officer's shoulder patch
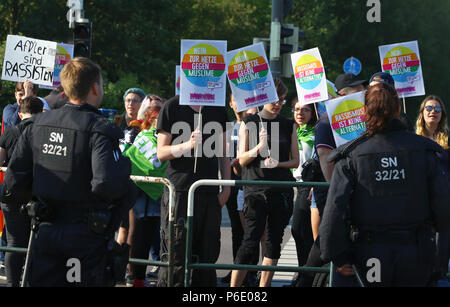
x=55 y=148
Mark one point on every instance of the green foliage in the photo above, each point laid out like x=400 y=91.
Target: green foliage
x=137 y=43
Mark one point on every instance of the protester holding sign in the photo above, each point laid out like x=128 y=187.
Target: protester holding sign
x=265 y=204
x=10 y=112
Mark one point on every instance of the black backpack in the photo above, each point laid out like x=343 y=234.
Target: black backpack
x=311 y=170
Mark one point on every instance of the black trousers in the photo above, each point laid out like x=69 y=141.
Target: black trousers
x=237 y=231
x=57 y=246
x=143 y=236
x=276 y=210
x=17 y=234
x=301 y=225
x=206 y=238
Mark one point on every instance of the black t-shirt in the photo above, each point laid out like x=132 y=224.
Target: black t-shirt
x=9 y=138
x=178 y=120
x=254 y=170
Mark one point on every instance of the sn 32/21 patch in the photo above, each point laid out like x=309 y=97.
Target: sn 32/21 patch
x=388 y=173
x=56 y=147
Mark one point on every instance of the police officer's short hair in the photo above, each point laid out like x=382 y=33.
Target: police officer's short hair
x=78 y=76
x=31 y=105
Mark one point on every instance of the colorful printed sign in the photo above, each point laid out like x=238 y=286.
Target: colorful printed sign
x=250 y=78
x=321 y=109
x=310 y=78
x=29 y=59
x=402 y=62
x=177 y=80
x=202 y=80
x=346 y=115
x=63 y=55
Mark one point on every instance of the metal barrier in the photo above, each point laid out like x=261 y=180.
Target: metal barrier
x=190 y=220
x=168 y=264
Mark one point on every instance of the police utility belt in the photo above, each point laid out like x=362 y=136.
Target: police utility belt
x=406 y=236
x=98 y=220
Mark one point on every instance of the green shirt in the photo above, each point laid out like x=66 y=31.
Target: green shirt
x=144 y=162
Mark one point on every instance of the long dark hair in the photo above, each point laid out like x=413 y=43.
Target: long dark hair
x=382 y=106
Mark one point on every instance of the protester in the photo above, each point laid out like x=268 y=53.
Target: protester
x=79 y=183
x=432 y=123
x=305 y=118
x=18 y=224
x=387 y=170
x=235 y=202
x=10 y=112
x=266 y=204
x=142 y=154
x=177 y=147
x=132 y=100
x=57 y=98
x=324 y=144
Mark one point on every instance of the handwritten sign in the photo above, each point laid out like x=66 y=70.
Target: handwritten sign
x=29 y=59
x=250 y=78
x=203 y=81
x=346 y=116
x=402 y=62
x=310 y=78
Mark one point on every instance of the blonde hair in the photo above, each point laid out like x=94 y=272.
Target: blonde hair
x=78 y=76
x=441 y=130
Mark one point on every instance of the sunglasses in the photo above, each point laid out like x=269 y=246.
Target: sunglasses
x=436 y=109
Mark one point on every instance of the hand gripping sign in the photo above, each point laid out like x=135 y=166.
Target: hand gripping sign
x=310 y=78
x=402 y=62
x=250 y=78
x=346 y=115
x=29 y=59
x=202 y=80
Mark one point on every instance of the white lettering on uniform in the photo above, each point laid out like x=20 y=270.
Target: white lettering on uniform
x=56 y=137
x=393 y=173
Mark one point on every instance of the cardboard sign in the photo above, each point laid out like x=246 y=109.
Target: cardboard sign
x=29 y=59
x=250 y=77
x=310 y=78
x=203 y=81
x=63 y=55
x=402 y=62
x=177 y=80
x=346 y=115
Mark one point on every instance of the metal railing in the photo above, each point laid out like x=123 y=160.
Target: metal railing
x=235 y=183
x=168 y=264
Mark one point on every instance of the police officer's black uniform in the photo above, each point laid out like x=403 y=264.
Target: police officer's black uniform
x=390 y=189
x=70 y=162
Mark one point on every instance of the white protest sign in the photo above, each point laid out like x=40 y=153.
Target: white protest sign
x=177 y=79
x=310 y=78
x=203 y=81
x=29 y=59
x=346 y=115
x=250 y=77
x=402 y=62
x=63 y=55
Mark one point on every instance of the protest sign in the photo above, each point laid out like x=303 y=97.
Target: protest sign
x=203 y=81
x=346 y=115
x=250 y=78
x=29 y=59
x=402 y=62
x=177 y=80
x=310 y=78
x=320 y=107
x=64 y=55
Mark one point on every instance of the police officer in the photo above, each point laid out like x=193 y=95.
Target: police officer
x=388 y=189
x=69 y=162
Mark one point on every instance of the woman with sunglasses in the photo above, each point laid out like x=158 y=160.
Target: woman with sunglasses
x=385 y=198
x=266 y=154
x=432 y=123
